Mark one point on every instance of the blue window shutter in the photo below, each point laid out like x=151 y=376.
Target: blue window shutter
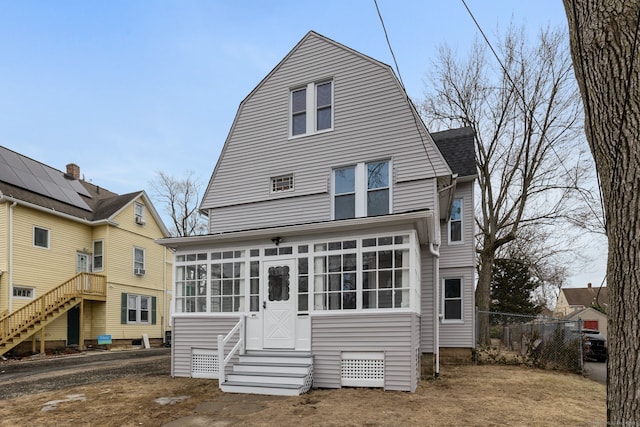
x=123 y=308
x=153 y=310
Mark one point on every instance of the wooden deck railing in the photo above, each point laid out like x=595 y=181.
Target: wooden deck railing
x=83 y=284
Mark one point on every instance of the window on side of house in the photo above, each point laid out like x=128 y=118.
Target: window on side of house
x=299 y=112
x=282 y=183
x=344 y=192
x=377 y=188
x=40 y=237
x=23 y=292
x=452 y=299
x=324 y=102
x=362 y=190
x=138 y=309
x=138 y=213
x=227 y=282
x=312 y=108
x=138 y=261
x=97 y=256
x=191 y=283
x=455 y=222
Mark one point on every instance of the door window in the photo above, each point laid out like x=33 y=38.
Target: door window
x=279 y=283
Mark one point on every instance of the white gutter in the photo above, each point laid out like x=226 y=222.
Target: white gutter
x=11 y=255
x=435 y=251
x=55 y=212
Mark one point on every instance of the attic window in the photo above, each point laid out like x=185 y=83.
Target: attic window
x=138 y=213
x=282 y=183
x=311 y=108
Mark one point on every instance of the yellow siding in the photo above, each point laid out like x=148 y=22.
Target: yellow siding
x=131 y=331
x=42 y=268
x=4 y=256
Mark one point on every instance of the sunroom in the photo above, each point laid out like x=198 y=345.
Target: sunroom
x=292 y=284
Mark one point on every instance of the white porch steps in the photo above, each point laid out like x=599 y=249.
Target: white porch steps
x=281 y=373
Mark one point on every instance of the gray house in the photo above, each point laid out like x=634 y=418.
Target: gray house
x=340 y=245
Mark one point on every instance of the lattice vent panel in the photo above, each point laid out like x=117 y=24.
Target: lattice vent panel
x=204 y=363
x=362 y=369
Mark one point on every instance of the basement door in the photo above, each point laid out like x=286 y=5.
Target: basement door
x=279 y=304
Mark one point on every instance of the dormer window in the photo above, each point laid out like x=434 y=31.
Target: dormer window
x=312 y=108
x=138 y=213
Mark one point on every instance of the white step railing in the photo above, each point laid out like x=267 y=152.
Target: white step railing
x=222 y=341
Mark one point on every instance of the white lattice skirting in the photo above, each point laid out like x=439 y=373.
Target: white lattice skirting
x=362 y=369
x=204 y=363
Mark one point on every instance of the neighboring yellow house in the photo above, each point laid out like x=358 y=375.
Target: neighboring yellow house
x=78 y=264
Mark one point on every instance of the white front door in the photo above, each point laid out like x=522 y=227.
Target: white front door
x=279 y=304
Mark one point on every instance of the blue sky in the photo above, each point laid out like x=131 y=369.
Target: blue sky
x=128 y=88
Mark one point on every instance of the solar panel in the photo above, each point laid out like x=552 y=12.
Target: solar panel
x=26 y=173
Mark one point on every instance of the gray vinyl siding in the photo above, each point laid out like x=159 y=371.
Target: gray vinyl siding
x=197 y=332
x=456 y=255
x=393 y=333
x=414 y=195
x=372 y=121
x=296 y=210
x=460 y=334
x=427 y=295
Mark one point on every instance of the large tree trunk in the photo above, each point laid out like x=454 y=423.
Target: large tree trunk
x=486 y=259
x=603 y=34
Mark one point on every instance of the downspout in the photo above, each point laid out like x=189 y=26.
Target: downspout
x=11 y=255
x=435 y=251
x=164 y=293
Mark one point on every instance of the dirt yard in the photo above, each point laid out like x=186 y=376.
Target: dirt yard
x=463 y=396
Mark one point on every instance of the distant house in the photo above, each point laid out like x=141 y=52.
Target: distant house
x=77 y=262
x=341 y=236
x=574 y=303
x=575 y=299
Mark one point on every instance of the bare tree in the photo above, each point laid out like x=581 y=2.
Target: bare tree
x=180 y=198
x=526 y=117
x=604 y=39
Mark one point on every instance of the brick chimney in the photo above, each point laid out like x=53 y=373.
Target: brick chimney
x=589 y=285
x=73 y=171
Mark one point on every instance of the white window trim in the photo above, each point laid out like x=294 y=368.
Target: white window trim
x=33 y=242
x=453 y=321
x=461 y=241
x=144 y=258
x=139 y=310
x=139 y=218
x=361 y=189
x=311 y=110
x=285 y=176
x=93 y=255
x=29 y=288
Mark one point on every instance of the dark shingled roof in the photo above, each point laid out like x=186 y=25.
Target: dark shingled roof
x=103 y=203
x=458 y=148
x=586 y=297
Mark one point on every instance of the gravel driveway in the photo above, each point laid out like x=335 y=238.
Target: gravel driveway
x=22 y=377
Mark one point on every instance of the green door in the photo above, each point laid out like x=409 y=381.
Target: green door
x=73 y=326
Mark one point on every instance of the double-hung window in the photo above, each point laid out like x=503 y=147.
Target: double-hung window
x=138 y=261
x=139 y=308
x=452 y=297
x=362 y=190
x=97 y=261
x=138 y=213
x=312 y=108
x=455 y=222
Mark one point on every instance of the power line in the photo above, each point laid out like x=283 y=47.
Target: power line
x=415 y=112
x=524 y=102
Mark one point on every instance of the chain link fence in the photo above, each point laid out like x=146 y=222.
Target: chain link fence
x=541 y=342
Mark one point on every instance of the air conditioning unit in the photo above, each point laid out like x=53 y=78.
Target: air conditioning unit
x=140 y=220
x=138 y=271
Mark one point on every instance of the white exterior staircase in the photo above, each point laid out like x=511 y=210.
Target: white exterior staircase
x=281 y=373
